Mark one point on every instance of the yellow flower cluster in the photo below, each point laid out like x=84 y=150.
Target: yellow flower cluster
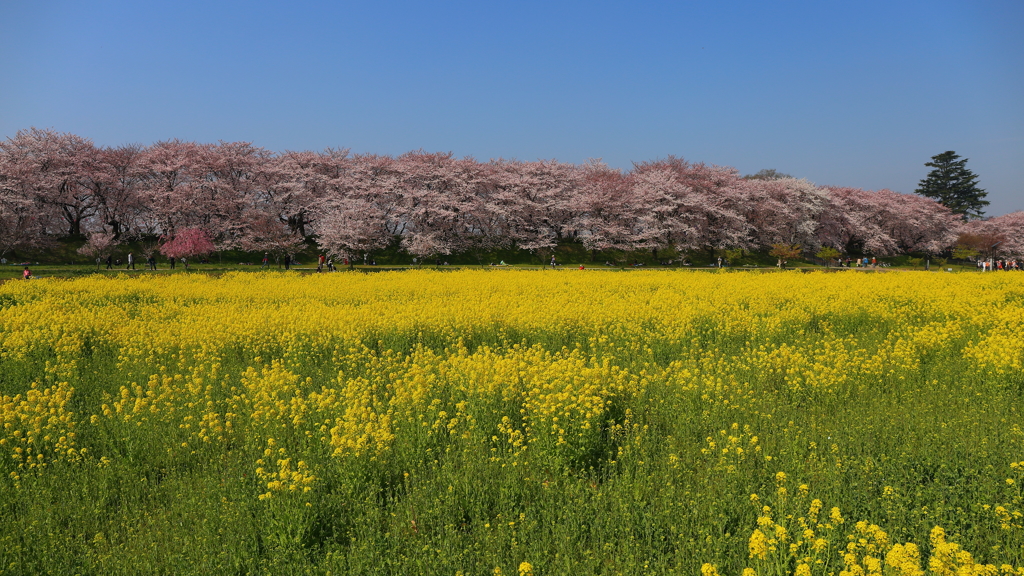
x=732 y=448
x=36 y=427
x=869 y=545
x=794 y=545
x=949 y=559
x=794 y=532
x=286 y=477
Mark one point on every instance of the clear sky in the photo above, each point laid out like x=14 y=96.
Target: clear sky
x=844 y=93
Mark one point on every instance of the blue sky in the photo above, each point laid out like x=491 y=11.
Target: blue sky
x=845 y=93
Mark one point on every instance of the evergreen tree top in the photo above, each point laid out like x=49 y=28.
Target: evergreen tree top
x=953 y=185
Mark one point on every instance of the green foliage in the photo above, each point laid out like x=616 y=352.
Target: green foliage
x=964 y=253
x=827 y=253
x=953 y=185
x=767 y=174
x=785 y=252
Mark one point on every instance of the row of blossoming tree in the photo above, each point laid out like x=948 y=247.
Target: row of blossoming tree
x=245 y=197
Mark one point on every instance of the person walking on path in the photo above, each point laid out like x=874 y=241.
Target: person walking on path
x=152 y=262
x=171 y=260
x=320 y=263
x=110 y=262
x=266 y=260
x=131 y=262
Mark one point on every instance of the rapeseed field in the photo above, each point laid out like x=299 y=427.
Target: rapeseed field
x=513 y=422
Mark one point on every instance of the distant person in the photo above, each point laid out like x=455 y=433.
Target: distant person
x=26 y=274
x=131 y=262
x=266 y=260
x=287 y=261
x=553 y=263
x=320 y=260
x=581 y=267
x=152 y=262
x=172 y=261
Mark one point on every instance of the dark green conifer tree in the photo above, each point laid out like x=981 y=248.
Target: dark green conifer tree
x=953 y=185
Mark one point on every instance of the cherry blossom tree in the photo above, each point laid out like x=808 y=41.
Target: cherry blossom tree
x=304 y=179
x=22 y=221
x=99 y=244
x=47 y=165
x=235 y=177
x=1001 y=235
x=528 y=203
x=346 y=227
x=920 y=224
x=691 y=206
x=784 y=211
x=887 y=222
x=172 y=176
x=262 y=232
x=436 y=201
x=114 y=177
x=608 y=211
x=21 y=226
x=187 y=243
x=1012 y=227
x=378 y=180
x=359 y=209
x=486 y=225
